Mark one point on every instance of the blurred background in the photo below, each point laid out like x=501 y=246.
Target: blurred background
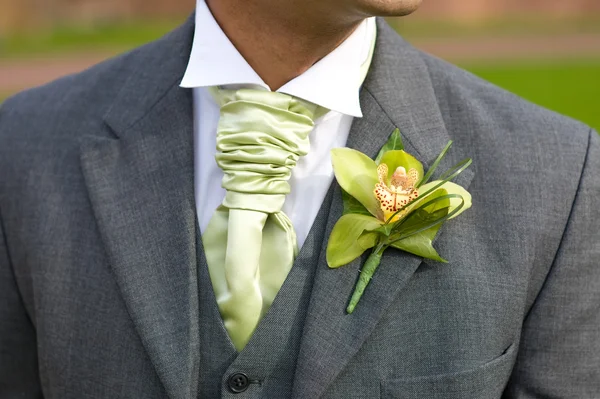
x=547 y=51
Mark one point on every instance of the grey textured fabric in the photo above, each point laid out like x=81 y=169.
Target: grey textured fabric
x=99 y=271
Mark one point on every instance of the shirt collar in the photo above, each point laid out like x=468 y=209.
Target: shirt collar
x=333 y=82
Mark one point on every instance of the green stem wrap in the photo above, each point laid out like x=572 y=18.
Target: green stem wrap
x=365 y=277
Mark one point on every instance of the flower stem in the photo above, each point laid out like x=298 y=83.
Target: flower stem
x=365 y=277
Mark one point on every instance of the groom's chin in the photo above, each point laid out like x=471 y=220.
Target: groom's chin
x=389 y=8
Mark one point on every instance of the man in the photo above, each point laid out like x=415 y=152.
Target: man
x=121 y=252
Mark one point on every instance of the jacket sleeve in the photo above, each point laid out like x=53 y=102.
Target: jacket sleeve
x=559 y=351
x=18 y=353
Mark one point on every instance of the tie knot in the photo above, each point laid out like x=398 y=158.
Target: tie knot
x=260 y=137
x=280 y=101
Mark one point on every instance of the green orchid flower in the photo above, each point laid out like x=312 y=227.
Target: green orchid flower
x=389 y=203
x=383 y=190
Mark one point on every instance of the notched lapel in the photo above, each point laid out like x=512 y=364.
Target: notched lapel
x=397 y=93
x=141 y=189
x=140 y=184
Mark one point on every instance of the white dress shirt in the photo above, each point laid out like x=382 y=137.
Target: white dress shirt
x=333 y=82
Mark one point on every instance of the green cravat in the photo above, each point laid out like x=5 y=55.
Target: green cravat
x=250 y=244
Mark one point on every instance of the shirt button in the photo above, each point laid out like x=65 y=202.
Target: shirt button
x=238 y=382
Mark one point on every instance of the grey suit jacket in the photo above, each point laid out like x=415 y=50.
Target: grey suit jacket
x=98 y=268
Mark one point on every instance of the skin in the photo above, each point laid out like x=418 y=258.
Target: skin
x=281 y=39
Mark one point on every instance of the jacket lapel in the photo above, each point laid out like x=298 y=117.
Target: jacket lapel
x=140 y=182
x=398 y=92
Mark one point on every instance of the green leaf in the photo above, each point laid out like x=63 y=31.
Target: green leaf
x=393 y=143
x=456 y=169
x=351 y=205
x=452 y=188
x=396 y=158
x=430 y=209
x=429 y=173
x=420 y=220
x=386 y=229
x=356 y=173
x=421 y=244
x=351 y=236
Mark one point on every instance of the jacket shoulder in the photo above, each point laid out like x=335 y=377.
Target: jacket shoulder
x=493 y=112
x=80 y=101
x=81 y=97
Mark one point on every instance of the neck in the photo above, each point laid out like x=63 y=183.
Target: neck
x=278 y=44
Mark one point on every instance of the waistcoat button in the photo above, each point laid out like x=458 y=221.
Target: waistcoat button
x=238 y=382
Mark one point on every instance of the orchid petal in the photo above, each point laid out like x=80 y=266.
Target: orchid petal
x=398 y=158
x=356 y=173
x=351 y=236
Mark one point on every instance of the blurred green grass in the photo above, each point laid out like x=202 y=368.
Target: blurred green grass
x=570 y=87
x=111 y=37
x=115 y=36
x=515 y=25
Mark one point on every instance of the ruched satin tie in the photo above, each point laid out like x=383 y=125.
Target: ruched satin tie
x=250 y=244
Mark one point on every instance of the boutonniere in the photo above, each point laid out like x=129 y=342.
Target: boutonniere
x=390 y=202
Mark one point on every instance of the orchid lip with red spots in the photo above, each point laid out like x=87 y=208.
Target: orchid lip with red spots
x=397 y=192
